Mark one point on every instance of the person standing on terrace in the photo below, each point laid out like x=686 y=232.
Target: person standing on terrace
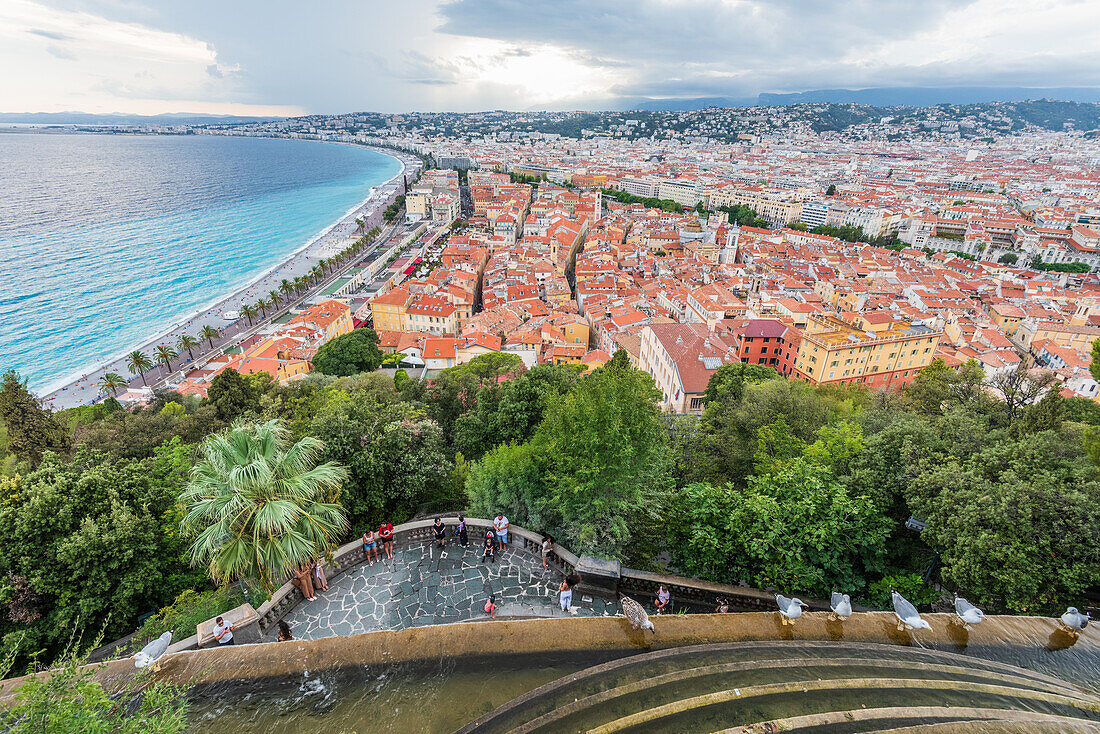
x=461 y=532
x=500 y=525
x=370 y=546
x=385 y=534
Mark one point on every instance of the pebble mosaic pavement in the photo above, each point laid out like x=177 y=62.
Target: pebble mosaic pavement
x=425 y=585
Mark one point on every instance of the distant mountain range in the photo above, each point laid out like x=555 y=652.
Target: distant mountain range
x=85 y=118
x=877 y=97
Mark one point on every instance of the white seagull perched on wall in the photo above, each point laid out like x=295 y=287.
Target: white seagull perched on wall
x=907 y=614
x=841 y=606
x=636 y=613
x=1074 y=622
x=153 y=652
x=967 y=612
x=789 y=609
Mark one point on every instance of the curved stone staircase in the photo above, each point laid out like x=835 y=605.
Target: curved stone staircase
x=812 y=687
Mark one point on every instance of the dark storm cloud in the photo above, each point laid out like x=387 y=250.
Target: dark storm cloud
x=677 y=48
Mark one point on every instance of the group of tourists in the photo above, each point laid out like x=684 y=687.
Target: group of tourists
x=496 y=539
x=381 y=537
x=310 y=577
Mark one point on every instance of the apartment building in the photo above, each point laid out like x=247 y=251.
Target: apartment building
x=682 y=358
x=884 y=354
x=688 y=193
x=433 y=314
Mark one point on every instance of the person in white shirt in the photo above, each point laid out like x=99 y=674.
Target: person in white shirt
x=500 y=525
x=223 y=632
x=547 y=549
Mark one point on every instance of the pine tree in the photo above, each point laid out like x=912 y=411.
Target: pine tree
x=32 y=430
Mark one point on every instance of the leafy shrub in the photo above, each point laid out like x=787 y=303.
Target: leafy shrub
x=190 y=608
x=909 y=585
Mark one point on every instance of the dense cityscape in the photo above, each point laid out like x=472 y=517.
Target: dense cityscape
x=645 y=369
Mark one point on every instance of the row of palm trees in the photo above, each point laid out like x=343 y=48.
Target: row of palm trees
x=138 y=362
x=289 y=288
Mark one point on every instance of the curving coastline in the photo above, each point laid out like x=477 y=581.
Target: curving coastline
x=82 y=388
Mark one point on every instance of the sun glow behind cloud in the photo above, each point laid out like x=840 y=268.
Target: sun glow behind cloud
x=539 y=74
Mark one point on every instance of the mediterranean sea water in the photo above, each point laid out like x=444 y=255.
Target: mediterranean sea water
x=106 y=240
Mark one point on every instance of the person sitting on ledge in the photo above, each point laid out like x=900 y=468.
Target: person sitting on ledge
x=491 y=607
x=663 y=597
x=284 y=632
x=439 y=532
x=547 y=549
x=223 y=632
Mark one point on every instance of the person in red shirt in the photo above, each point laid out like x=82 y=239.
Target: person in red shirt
x=385 y=532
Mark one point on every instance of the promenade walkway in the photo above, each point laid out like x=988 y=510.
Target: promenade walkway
x=424 y=585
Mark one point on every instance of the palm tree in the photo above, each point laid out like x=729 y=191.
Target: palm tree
x=259 y=506
x=248 y=312
x=299 y=284
x=286 y=287
x=262 y=305
x=209 y=333
x=275 y=298
x=111 y=383
x=138 y=363
x=187 y=342
x=165 y=355
x=324 y=265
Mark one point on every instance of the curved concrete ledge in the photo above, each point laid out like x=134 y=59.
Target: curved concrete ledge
x=519 y=637
x=652 y=715
x=973 y=720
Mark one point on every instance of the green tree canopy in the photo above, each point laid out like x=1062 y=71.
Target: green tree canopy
x=1017 y=522
x=31 y=429
x=729 y=380
x=234 y=395
x=85 y=541
x=605 y=448
x=349 y=354
x=395 y=453
x=797 y=529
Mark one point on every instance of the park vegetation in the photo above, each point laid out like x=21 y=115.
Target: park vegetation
x=107 y=514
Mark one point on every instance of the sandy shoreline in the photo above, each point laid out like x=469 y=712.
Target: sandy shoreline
x=82 y=389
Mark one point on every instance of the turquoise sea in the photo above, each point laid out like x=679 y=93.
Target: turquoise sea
x=106 y=240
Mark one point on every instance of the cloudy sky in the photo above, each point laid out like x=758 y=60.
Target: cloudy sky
x=283 y=57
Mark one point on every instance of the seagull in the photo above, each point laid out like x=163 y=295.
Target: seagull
x=789 y=609
x=152 y=653
x=967 y=612
x=907 y=614
x=1074 y=622
x=841 y=606
x=636 y=613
